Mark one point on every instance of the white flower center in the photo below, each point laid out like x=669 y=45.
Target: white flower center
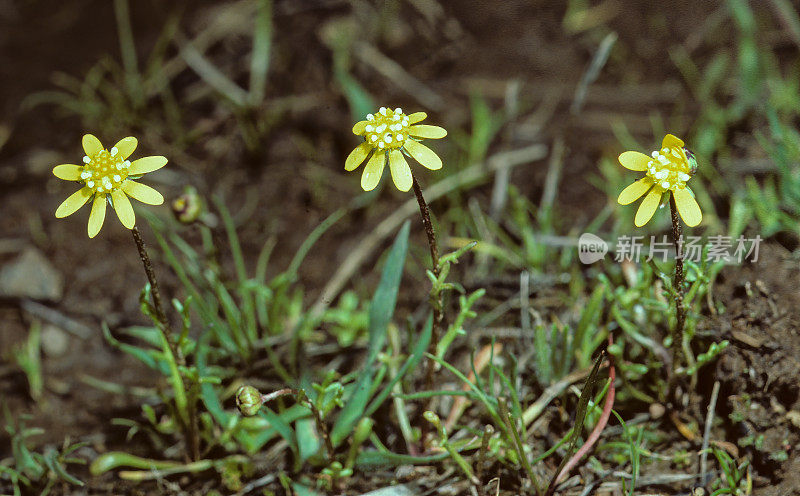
x=669 y=168
x=105 y=171
x=387 y=129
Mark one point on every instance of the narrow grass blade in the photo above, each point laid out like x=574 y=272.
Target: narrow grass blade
x=423 y=341
x=260 y=58
x=380 y=313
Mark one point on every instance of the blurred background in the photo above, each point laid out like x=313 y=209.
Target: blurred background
x=253 y=104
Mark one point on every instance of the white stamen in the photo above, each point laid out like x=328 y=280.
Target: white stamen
x=381 y=144
x=665 y=150
x=373 y=138
x=381 y=128
x=396 y=117
x=664 y=160
x=654 y=154
x=369 y=128
x=117 y=178
x=684 y=176
x=86 y=175
x=399 y=137
x=370 y=117
x=114 y=151
x=388 y=138
x=661 y=174
x=405 y=121
x=398 y=110
x=382 y=110
x=665 y=185
x=86 y=159
x=126 y=163
x=90 y=184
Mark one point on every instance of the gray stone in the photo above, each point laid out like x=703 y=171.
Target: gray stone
x=31 y=275
x=55 y=341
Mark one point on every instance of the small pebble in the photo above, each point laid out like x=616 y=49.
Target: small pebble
x=657 y=411
x=55 y=341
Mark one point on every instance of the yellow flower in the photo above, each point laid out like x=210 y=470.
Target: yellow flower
x=388 y=135
x=108 y=176
x=667 y=169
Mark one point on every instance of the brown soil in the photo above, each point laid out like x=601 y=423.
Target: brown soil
x=760 y=391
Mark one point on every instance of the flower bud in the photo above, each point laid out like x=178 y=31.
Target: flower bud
x=188 y=206
x=248 y=400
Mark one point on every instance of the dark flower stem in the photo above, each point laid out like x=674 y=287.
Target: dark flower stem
x=165 y=328
x=677 y=284
x=426 y=221
x=159 y=306
x=436 y=301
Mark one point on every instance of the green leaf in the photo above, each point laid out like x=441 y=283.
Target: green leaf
x=308 y=442
x=589 y=320
x=151 y=358
x=301 y=490
x=114 y=459
x=373 y=459
x=422 y=344
x=255 y=440
x=260 y=58
x=150 y=335
x=380 y=314
x=282 y=426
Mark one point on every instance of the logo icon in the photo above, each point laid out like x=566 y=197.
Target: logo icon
x=591 y=248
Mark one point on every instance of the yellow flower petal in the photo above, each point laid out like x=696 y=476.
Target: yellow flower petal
x=636 y=161
x=425 y=131
x=373 y=171
x=126 y=146
x=416 y=117
x=123 y=208
x=147 y=164
x=142 y=192
x=68 y=172
x=73 y=202
x=91 y=144
x=683 y=161
x=401 y=172
x=98 y=215
x=358 y=127
x=670 y=141
x=648 y=207
x=357 y=156
x=423 y=154
x=634 y=191
x=687 y=206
